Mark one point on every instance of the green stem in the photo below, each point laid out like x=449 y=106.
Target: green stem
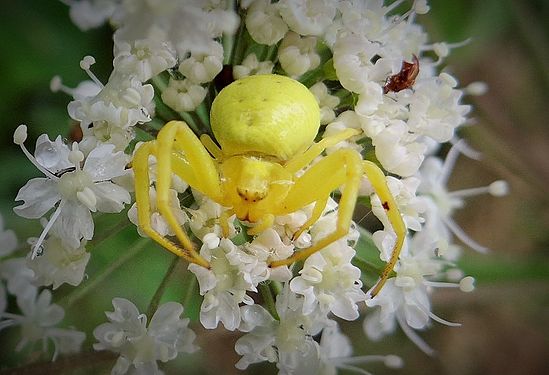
x=190 y=121
x=114 y=230
x=228 y=40
x=159 y=83
x=191 y=285
x=69 y=300
x=268 y=298
x=239 y=47
x=203 y=114
x=90 y=362
x=153 y=305
x=369 y=267
x=276 y=287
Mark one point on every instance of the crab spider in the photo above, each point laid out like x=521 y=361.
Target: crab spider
x=265 y=125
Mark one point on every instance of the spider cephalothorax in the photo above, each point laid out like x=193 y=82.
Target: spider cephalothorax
x=265 y=125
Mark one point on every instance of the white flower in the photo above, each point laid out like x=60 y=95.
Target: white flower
x=8 y=240
x=183 y=95
x=251 y=66
x=268 y=245
x=410 y=206
x=158 y=223
x=404 y=299
x=287 y=341
x=330 y=282
x=441 y=203
x=396 y=151
x=347 y=119
x=202 y=66
x=287 y=225
x=89 y=14
x=18 y=276
x=264 y=22
x=336 y=350
x=141 y=345
x=298 y=55
x=77 y=191
x=353 y=62
x=124 y=101
x=326 y=102
x=189 y=26
x=307 y=17
x=38 y=323
x=144 y=58
x=83 y=90
x=225 y=285
x=59 y=264
x=435 y=108
x=207 y=218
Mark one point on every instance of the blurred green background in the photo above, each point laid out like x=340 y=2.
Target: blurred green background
x=505 y=321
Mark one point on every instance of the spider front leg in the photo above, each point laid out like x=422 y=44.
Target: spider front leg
x=178 y=151
x=141 y=170
x=345 y=168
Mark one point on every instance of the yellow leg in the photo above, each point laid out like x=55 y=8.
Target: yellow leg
x=141 y=170
x=224 y=221
x=320 y=205
x=179 y=151
x=211 y=146
x=266 y=222
x=301 y=161
x=344 y=168
x=377 y=179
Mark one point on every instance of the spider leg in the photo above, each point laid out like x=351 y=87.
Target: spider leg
x=211 y=146
x=177 y=149
x=266 y=222
x=224 y=221
x=345 y=167
x=141 y=169
x=301 y=161
x=320 y=205
x=377 y=179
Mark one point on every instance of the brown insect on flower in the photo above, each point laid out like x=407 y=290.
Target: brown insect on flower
x=403 y=79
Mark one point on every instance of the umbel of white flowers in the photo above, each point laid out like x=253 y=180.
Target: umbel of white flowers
x=370 y=68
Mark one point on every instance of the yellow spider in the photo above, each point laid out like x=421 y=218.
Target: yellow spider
x=265 y=125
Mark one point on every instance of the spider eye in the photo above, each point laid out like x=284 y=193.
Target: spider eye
x=250 y=195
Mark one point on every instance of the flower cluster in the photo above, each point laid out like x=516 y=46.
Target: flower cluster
x=171 y=58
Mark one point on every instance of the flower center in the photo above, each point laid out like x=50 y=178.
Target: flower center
x=70 y=184
x=226 y=274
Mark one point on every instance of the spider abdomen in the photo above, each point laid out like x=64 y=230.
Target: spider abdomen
x=267 y=114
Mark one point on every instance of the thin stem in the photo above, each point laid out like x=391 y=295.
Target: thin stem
x=153 y=305
x=369 y=267
x=188 y=118
x=113 y=231
x=91 y=361
x=80 y=292
x=228 y=40
x=239 y=47
x=268 y=298
x=191 y=285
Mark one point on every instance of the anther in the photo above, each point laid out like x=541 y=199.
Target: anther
x=393 y=361
x=467 y=284
x=85 y=64
x=476 y=88
x=20 y=135
x=498 y=188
